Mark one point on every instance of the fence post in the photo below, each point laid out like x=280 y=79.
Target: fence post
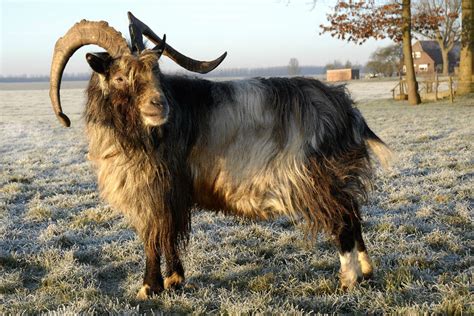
x=436 y=87
x=451 y=94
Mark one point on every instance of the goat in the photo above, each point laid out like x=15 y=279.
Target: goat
x=257 y=148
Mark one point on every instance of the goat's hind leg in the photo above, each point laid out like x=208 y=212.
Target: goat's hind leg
x=362 y=255
x=350 y=272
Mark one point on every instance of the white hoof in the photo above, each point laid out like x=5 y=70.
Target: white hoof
x=350 y=270
x=144 y=293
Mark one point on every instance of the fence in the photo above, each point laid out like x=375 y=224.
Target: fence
x=431 y=89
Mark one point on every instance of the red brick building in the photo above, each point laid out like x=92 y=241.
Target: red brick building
x=427 y=57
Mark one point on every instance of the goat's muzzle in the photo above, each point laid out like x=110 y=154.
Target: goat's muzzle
x=155 y=113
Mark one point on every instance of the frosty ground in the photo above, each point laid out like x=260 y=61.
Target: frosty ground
x=64 y=250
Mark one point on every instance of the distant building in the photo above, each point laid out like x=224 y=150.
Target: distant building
x=427 y=57
x=342 y=74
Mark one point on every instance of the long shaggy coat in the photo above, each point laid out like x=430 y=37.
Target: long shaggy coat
x=257 y=148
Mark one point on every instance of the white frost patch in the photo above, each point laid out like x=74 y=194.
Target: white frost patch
x=74 y=257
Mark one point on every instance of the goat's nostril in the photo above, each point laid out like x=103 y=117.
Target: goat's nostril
x=156 y=101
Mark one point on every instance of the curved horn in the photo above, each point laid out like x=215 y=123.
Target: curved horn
x=137 y=28
x=160 y=48
x=82 y=33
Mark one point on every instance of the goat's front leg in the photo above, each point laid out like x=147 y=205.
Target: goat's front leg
x=153 y=280
x=174 y=270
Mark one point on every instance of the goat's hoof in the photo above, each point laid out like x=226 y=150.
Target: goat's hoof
x=349 y=280
x=368 y=275
x=174 y=281
x=146 y=292
x=346 y=287
x=366 y=265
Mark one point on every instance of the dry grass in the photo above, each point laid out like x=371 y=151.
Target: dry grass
x=63 y=250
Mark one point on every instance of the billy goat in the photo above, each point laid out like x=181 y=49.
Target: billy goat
x=259 y=148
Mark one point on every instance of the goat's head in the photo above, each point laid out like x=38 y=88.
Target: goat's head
x=129 y=78
x=131 y=84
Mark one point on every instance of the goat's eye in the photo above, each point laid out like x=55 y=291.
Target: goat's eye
x=119 y=80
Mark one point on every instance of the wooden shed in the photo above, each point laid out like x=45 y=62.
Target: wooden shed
x=342 y=74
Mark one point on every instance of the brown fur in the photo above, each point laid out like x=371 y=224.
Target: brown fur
x=256 y=148
x=132 y=173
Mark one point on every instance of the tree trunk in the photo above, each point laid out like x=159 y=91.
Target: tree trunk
x=466 y=84
x=412 y=84
x=444 y=55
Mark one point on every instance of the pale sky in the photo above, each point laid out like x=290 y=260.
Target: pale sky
x=255 y=33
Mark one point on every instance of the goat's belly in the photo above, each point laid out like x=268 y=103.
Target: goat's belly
x=250 y=164
x=262 y=193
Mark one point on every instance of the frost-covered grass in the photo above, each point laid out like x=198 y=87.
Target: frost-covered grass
x=63 y=250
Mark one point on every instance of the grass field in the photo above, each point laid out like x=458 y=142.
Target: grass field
x=62 y=250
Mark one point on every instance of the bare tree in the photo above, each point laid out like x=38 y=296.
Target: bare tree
x=466 y=84
x=386 y=60
x=294 y=67
x=439 y=20
x=336 y=64
x=412 y=84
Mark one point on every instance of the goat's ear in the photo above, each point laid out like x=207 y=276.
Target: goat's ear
x=99 y=62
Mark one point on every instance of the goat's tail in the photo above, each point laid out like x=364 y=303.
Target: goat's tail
x=378 y=147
